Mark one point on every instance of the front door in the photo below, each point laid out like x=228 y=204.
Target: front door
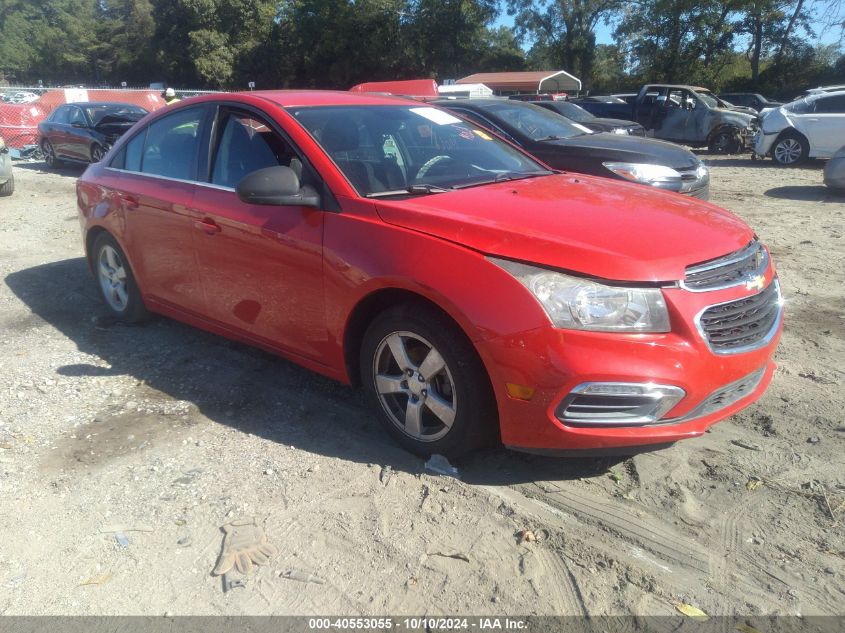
x=261 y=266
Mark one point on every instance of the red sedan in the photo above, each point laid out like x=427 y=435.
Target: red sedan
x=474 y=293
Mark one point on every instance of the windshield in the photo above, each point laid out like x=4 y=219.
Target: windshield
x=411 y=150
x=117 y=111
x=801 y=106
x=535 y=122
x=571 y=111
x=709 y=99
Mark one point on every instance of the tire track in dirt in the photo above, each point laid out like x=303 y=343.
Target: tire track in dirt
x=649 y=533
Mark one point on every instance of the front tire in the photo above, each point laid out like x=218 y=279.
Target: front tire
x=725 y=141
x=790 y=149
x=116 y=281
x=427 y=382
x=8 y=187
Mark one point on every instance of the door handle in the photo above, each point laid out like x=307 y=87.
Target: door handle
x=207 y=226
x=131 y=202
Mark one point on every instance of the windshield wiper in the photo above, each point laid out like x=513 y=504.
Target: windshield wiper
x=418 y=189
x=507 y=175
x=550 y=137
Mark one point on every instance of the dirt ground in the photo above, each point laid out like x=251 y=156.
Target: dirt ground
x=165 y=433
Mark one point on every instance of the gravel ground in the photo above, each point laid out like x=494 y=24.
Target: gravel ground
x=164 y=433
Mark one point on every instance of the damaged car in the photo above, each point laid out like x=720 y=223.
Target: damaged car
x=84 y=132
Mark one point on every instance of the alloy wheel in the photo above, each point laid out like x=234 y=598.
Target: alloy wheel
x=49 y=154
x=788 y=151
x=112 y=276
x=414 y=386
x=97 y=154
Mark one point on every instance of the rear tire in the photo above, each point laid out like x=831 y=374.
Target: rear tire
x=427 y=382
x=8 y=187
x=50 y=155
x=116 y=282
x=790 y=149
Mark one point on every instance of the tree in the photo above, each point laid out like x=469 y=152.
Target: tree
x=563 y=31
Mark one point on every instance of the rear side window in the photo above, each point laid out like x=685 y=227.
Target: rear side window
x=831 y=105
x=133 y=152
x=171 y=145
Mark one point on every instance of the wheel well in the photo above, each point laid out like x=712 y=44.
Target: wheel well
x=791 y=131
x=90 y=238
x=722 y=128
x=373 y=305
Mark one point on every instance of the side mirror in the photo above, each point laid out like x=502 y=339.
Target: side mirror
x=276 y=186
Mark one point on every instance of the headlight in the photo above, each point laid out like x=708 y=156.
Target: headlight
x=658 y=176
x=582 y=304
x=620 y=130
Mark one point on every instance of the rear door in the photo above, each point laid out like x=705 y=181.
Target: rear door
x=261 y=266
x=77 y=137
x=56 y=128
x=157 y=172
x=825 y=128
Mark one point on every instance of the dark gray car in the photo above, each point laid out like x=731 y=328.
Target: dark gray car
x=574 y=112
x=564 y=144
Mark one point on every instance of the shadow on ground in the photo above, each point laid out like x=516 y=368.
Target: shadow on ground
x=807 y=193
x=243 y=387
x=69 y=170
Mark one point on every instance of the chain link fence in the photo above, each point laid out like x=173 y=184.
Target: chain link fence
x=22 y=108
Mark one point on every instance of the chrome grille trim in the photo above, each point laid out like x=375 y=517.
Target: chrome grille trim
x=720 y=399
x=727 y=271
x=582 y=408
x=744 y=324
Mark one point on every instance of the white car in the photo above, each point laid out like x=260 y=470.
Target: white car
x=812 y=127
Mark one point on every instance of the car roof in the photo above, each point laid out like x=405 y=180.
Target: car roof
x=87 y=104
x=295 y=98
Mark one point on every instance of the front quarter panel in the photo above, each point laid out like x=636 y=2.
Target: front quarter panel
x=484 y=300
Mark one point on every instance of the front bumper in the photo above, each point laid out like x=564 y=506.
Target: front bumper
x=554 y=362
x=762 y=143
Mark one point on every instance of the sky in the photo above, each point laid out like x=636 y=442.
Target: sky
x=604 y=33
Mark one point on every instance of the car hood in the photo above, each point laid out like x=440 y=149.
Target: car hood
x=735 y=116
x=631 y=149
x=584 y=224
x=609 y=124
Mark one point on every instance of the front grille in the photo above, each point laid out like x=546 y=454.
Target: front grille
x=744 y=324
x=729 y=270
x=725 y=396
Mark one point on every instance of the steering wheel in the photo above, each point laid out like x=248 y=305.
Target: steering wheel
x=431 y=162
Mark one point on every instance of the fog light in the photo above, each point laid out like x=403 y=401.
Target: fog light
x=618 y=403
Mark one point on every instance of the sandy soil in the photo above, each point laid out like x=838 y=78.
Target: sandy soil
x=169 y=429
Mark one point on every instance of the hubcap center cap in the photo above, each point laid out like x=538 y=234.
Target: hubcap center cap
x=417 y=386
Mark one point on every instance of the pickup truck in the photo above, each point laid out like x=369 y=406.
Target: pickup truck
x=683 y=114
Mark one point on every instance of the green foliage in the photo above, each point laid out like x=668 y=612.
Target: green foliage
x=741 y=44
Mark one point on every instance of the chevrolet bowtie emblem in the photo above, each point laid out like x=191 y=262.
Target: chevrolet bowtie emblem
x=755 y=283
